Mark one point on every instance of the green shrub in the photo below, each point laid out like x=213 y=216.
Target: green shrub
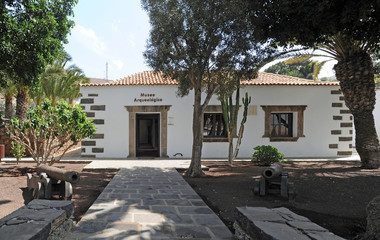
x=266 y=155
x=17 y=150
x=54 y=128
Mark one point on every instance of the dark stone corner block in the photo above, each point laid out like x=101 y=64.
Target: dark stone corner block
x=86 y=101
x=88 y=143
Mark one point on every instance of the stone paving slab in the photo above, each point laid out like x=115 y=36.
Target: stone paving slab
x=149 y=203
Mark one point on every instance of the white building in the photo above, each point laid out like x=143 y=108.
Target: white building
x=376 y=112
x=141 y=116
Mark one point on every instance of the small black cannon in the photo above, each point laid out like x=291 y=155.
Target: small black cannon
x=274 y=181
x=50 y=181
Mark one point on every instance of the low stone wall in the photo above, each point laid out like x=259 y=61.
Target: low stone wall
x=40 y=219
x=276 y=224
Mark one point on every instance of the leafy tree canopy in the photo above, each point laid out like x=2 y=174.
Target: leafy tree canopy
x=201 y=44
x=32 y=33
x=349 y=31
x=315 y=21
x=302 y=69
x=190 y=39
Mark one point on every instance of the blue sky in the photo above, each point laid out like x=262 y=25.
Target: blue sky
x=113 y=32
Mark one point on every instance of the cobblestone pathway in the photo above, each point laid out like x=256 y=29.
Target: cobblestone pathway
x=149 y=203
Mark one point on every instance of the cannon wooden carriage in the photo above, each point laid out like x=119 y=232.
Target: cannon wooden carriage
x=274 y=180
x=52 y=181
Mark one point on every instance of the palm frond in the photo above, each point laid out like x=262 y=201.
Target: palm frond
x=298 y=59
x=317 y=69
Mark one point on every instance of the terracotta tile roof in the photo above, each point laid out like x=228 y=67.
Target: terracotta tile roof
x=155 y=78
x=264 y=78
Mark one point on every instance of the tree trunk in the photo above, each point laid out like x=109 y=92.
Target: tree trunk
x=22 y=103
x=356 y=76
x=8 y=111
x=230 y=151
x=240 y=136
x=195 y=169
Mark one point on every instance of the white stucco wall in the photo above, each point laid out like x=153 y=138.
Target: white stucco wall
x=376 y=111
x=318 y=120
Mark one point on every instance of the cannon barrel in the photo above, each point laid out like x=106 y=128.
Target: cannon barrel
x=59 y=174
x=272 y=171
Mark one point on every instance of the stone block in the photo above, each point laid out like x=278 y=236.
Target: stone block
x=289 y=215
x=98 y=121
x=345 y=111
x=179 y=219
x=345 y=139
x=221 y=232
x=98 y=150
x=90 y=226
x=192 y=231
x=324 y=236
x=209 y=219
x=67 y=206
x=90 y=114
x=337 y=104
x=276 y=231
x=346 y=124
x=344 y=153
x=88 y=143
x=337 y=117
x=337 y=92
x=98 y=136
x=307 y=226
x=98 y=107
x=195 y=210
x=151 y=218
x=336 y=132
x=37 y=220
x=276 y=224
x=86 y=101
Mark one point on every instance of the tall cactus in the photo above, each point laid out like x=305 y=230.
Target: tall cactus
x=230 y=114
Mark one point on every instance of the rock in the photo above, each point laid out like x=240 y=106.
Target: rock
x=373 y=216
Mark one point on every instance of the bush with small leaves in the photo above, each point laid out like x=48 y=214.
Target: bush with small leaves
x=17 y=150
x=48 y=132
x=266 y=155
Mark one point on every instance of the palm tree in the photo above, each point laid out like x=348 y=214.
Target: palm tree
x=74 y=77
x=9 y=92
x=355 y=72
x=52 y=81
x=22 y=101
x=60 y=83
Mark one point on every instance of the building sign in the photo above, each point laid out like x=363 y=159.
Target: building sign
x=147 y=97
